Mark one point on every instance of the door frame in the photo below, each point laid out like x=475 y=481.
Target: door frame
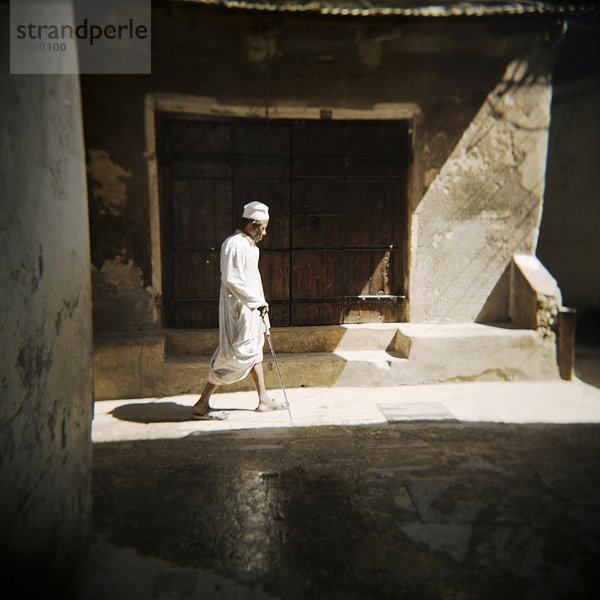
x=209 y=107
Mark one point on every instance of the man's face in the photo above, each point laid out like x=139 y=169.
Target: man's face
x=259 y=230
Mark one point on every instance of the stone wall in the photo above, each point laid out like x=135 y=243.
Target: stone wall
x=45 y=327
x=569 y=242
x=462 y=75
x=486 y=203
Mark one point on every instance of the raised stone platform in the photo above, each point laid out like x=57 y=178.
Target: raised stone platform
x=171 y=362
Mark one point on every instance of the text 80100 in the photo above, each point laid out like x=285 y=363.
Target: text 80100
x=49 y=47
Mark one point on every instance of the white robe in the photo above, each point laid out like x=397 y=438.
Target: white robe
x=241 y=329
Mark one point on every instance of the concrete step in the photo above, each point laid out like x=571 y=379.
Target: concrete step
x=291 y=340
x=310 y=369
x=474 y=352
x=176 y=362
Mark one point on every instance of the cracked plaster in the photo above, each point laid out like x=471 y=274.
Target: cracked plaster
x=485 y=203
x=122 y=302
x=108 y=183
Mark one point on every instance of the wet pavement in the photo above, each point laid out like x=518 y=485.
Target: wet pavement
x=444 y=510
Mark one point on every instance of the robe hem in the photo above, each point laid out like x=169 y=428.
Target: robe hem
x=236 y=380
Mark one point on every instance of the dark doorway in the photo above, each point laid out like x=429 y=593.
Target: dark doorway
x=337 y=196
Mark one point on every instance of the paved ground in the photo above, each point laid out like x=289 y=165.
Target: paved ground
x=412 y=510
x=484 y=490
x=499 y=401
x=556 y=401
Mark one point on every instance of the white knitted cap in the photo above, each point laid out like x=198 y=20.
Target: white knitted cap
x=257 y=211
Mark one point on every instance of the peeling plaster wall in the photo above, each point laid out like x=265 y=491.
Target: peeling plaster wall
x=109 y=189
x=454 y=73
x=122 y=301
x=486 y=203
x=46 y=333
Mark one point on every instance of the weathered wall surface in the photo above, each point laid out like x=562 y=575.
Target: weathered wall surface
x=569 y=242
x=486 y=203
x=262 y=60
x=45 y=328
x=121 y=299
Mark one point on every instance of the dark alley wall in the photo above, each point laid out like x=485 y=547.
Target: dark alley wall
x=569 y=244
x=445 y=67
x=46 y=332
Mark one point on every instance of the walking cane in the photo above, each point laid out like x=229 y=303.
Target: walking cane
x=268 y=336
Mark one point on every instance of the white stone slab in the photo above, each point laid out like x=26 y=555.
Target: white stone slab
x=414 y=411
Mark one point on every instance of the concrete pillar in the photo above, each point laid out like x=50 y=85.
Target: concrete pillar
x=45 y=333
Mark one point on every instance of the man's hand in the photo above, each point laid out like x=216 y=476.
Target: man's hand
x=263 y=310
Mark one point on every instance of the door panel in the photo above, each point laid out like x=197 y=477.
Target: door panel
x=193 y=140
x=261 y=171
x=318 y=274
x=317 y=213
x=316 y=313
x=196 y=315
x=372 y=216
x=337 y=197
x=348 y=202
x=198 y=217
x=323 y=167
x=275 y=273
x=197 y=274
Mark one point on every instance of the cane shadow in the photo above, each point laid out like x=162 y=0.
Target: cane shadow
x=160 y=412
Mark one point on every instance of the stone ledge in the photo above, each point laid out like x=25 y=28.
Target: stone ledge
x=404 y=354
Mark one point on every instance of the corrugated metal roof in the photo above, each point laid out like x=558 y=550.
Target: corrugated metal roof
x=405 y=8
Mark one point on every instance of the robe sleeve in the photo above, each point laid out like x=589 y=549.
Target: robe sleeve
x=234 y=276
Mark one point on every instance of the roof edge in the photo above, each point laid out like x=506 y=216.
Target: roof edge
x=371 y=9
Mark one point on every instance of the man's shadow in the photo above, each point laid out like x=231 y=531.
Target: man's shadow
x=159 y=412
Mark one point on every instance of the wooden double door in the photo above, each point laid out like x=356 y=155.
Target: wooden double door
x=337 y=197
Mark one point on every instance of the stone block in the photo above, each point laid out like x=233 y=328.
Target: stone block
x=117 y=371
x=534 y=295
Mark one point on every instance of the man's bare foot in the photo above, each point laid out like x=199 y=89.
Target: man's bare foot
x=200 y=409
x=263 y=402
x=270 y=404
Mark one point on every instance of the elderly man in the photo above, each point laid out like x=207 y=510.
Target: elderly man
x=242 y=309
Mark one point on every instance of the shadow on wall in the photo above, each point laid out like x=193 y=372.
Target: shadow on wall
x=587 y=362
x=569 y=244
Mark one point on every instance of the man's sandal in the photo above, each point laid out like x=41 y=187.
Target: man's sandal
x=210 y=416
x=275 y=405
